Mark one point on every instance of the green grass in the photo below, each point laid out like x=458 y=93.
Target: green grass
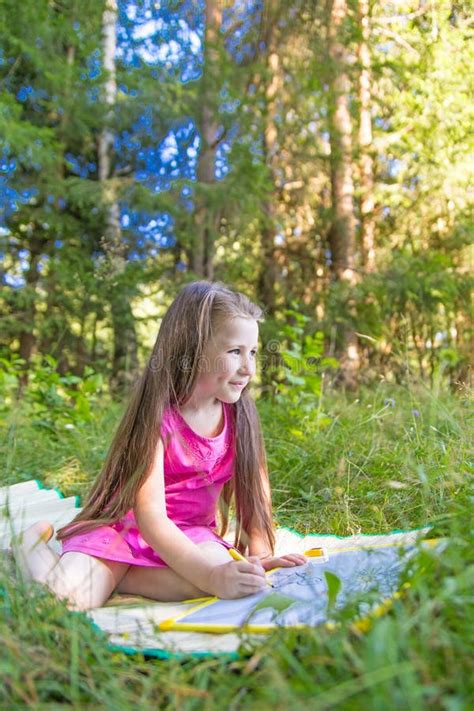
x=375 y=466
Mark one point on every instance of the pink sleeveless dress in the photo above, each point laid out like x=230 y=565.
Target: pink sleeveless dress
x=195 y=470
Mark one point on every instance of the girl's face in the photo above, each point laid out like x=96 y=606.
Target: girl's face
x=229 y=361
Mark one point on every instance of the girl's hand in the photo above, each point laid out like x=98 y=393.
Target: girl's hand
x=283 y=561
x=236 y=579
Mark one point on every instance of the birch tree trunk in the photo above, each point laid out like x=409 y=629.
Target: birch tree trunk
x=342 y=230
x=202 y=254
x=367 y=222
x=125 y=360
x=106 y=140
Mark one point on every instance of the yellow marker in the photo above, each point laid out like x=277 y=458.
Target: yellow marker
x=317 y=553
x=236 y=555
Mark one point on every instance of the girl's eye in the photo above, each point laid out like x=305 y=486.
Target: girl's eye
x=237 y=351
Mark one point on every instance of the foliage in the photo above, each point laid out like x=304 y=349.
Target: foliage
x=9 y=382
x=53 y=401
x=298 y=376
x=410 y=313
x=264 y=77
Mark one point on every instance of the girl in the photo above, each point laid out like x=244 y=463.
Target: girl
x=190 y=440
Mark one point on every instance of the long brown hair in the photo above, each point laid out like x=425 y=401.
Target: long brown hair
x=168 y=380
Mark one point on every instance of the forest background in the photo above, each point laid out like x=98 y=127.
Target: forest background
x=315 y=155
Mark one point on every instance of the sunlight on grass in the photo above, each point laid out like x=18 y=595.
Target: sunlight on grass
x=396 y=458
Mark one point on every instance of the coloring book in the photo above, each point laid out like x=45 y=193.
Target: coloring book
x=301 y=596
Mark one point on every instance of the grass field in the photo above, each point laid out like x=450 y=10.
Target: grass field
x=392 y=458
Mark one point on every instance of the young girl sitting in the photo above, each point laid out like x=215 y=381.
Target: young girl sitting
x=189 y=441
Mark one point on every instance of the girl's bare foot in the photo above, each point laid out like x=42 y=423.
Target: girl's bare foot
x=33 y=556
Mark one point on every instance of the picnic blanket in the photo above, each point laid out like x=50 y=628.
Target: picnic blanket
x=360 y=565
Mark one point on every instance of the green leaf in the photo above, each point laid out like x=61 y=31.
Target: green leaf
x=275 y=601
x=334 y=585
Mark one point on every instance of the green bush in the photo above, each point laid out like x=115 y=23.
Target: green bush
x=54 y=400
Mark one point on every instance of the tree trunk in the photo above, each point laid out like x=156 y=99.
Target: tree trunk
x=112 y=240
x=342 y=230
x=125 y=359
x=27 y=316
x=202 y=259
x=367 y=222
x=342 y=233
x=268 y=270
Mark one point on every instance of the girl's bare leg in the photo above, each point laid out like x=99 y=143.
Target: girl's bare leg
x=166 y=585
x=32 y=554
x=83 y=580
x=87 y=582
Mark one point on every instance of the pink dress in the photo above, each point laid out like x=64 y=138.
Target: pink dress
x=195 y=470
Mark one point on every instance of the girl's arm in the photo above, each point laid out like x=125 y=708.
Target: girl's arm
x=233 y=579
